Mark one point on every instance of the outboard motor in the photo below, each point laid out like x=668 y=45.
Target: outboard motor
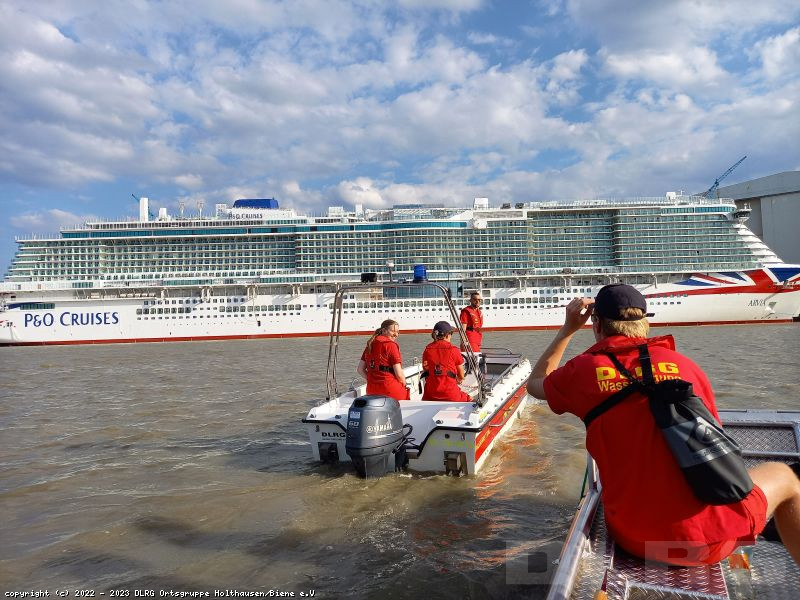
x=375 y=435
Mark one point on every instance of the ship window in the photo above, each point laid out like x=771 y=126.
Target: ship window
x=36 y=306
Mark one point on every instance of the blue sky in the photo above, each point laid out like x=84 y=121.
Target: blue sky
x=334 y=102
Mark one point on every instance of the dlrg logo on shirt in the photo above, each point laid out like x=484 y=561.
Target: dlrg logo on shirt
x=610 y=380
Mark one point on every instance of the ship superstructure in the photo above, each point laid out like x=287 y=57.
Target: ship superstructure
x=255 y=269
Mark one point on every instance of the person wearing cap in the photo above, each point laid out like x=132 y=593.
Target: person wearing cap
x=649 y=507
x=381 y=363
x=472 y=319
x=443 y=366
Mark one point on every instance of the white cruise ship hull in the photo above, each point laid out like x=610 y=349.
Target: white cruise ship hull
x=767 y=295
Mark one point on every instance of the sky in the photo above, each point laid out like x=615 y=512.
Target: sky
x=335 y=102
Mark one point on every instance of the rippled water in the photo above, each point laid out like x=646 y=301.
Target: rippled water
x=185 y=467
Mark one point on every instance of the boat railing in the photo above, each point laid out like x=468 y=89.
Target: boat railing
x=578 y=536
x=336 y=328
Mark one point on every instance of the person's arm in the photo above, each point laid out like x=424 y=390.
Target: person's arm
x=362 y=368
x=396 y=360
x=398 y=372
x=461 y=372
x=551 y=357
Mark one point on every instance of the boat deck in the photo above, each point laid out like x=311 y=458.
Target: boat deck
x=591 y=558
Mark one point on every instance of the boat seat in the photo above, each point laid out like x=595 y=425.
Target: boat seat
x=774 y=573
x=631 y=578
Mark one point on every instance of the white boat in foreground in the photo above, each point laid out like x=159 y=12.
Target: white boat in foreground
x=591 y=566
x=428 y=436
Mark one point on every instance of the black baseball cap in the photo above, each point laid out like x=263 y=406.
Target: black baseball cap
x=612 y=299
x=443 y=328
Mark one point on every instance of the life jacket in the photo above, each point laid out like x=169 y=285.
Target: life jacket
x=381 y=379
x=474 y=319
x=473 y=324
x=440 y=372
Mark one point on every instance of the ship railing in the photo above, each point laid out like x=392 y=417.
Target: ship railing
x=35 y=286
x=637 y=201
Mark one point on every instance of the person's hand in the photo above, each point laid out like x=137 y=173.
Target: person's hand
x=578 y=312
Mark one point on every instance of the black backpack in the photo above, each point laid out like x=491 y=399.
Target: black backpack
x=710 y=460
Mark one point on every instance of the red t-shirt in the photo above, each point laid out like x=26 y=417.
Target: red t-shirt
x=441 y=383
x=380 y=361
x=645 y=495
x=472 y=320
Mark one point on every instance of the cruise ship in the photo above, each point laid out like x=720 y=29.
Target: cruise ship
x=256 y=270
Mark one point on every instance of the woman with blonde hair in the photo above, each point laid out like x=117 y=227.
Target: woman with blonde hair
x=381 y=363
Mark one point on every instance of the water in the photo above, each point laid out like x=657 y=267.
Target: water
x=185 y=467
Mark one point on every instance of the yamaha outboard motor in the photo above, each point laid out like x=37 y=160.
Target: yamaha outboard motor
x=375 y=435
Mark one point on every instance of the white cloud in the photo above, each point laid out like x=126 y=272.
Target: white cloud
x=488 y=39
x=551 y=7
x=623 y=26
x=564 y=76
x=451 y=5
x=361 y=191
x=567 y=65
x=780 y=54
x=189 y=181
x=691 y=68
x=47 y=221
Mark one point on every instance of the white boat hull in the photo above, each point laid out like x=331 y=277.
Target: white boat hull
x=757 y=296
x=444 y=431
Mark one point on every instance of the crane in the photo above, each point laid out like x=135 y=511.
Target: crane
x=711 y=190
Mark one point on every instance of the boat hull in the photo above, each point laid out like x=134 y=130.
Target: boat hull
x=455 y=437
x=768 y=295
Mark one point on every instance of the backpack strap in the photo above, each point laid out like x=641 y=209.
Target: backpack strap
x=609 y=403
x=634 y=386
x=647 y=366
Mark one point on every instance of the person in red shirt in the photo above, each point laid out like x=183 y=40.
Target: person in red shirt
x=382 y=365
x=443 y=366
x=649 y=507
x=472 y=318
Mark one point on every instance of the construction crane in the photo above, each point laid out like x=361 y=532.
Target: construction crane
x=713 y=188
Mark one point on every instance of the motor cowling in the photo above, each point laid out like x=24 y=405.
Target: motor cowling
x=375 y=435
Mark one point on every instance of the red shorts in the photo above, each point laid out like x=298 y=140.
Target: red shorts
x=697 y=553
